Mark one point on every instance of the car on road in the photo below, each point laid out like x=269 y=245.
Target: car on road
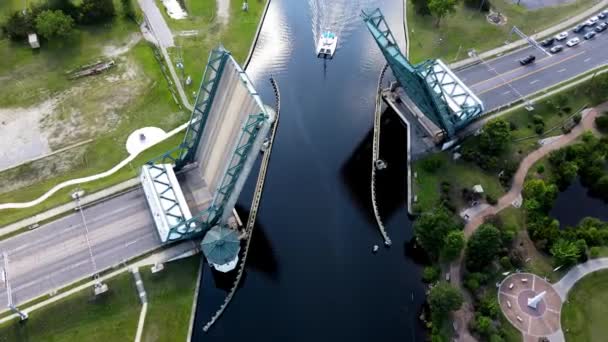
x=573 y=42
x=556 y=49
x=547 y=42
x=561 y=36
x=603 y=14
x=592 y=21
x=527 y=60
x=589 y=35
x=601 y=27
x=578 y=28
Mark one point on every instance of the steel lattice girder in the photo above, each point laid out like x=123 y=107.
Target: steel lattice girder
x=202 y=106
x=420 y=81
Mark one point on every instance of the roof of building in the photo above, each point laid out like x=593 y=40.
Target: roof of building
x=221 y=245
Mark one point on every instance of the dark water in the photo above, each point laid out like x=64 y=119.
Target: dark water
x=311 y=275
x=575 y=203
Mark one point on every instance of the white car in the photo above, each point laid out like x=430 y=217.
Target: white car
x=572 y=42
x=592 y=21
x=561 y=36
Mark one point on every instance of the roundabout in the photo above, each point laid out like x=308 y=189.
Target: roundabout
x=532 y=305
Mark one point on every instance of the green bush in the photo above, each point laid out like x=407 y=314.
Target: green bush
x=540 y=169
x=577 y=118
x=491 y=199
x=430 y=274
x=431 y=164
x=602 y=122
x=594 y=252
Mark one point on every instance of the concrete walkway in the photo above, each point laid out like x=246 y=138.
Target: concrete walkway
x=143 y=297
x=463 y=316
x=564 y=285
x=564 y=25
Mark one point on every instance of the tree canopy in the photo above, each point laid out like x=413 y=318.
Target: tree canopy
x=482 y=247
x=431 y=229
x=565 y=252
x=453 y=244
x=54 y=23
x=444 y=298
x=93 y=11
x=495 y=136
x=441 y=8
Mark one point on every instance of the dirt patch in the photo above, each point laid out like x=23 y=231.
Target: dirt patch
x=22 y=138
x=94 y=106
x=115 y=51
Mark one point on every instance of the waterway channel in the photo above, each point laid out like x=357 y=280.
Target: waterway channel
x=311 y=274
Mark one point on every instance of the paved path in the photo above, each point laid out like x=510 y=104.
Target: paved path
x=466 y=313
x=157 y=24
x=564 y=285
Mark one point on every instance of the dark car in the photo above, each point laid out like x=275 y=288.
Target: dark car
x=589 y=35
x=603 y=14
x=601 y=27
x=527 y=60
x=556 y=49
x=578 y=28
x=547 y=42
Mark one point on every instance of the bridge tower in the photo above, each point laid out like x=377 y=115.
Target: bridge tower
x=194 y=187
x=432 y=87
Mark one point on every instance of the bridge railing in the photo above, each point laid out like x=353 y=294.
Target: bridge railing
x=376 y=156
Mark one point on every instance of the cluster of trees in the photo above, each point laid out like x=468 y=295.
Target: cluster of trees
x=439 y=234
x=486 y=149
x=57 y=18
x=588 y=161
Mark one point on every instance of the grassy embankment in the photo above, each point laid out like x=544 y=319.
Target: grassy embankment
x=155 y=108
x=459 y=31
x=114 y=315
x=584 y=319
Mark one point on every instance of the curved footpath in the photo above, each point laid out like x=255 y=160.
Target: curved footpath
x=564 y=285
x=463 y=316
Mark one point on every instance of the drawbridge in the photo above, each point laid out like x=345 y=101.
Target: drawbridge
x=431 y=86
x=192 y=189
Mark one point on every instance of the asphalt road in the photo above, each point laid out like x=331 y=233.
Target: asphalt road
x=56 y=254
x=502 y=80
x=159 y=27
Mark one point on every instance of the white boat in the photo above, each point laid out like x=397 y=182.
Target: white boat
x=327 y=45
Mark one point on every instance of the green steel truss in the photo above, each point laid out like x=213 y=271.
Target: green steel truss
x=185 y=153
x=424 y=83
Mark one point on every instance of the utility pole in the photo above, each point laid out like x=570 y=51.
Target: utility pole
x=22 y=315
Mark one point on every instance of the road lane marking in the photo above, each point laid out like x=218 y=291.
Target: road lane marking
x=504 y=73
x=534 y=81
x=587 y=59
x=506 y=92
x=531 y=73
x=561 y=70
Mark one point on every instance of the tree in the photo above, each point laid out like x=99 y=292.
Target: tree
x=453 y=244
x=55 y=23
x=538 y=196
x=565 y=252
x=483 y=325
x=93 y=11
x=602 y=122
x=127 y=9
x=19 y=25
x=431 y=228
x=440 y=8
x=601 y=186
x=421 y=7
x=495 y=136
x=430 y=274
x=482 y=247
x=444 y=298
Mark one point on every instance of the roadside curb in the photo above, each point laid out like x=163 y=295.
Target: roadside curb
x=257 y=35
x=199 y=278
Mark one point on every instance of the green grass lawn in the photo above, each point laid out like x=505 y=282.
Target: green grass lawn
x=461 y=31
x=459 y=174
x=82 y=317
x=584 y=319
x=170 y=295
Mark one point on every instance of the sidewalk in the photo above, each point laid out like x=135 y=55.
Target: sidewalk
x=564 y=285
x=564 y=25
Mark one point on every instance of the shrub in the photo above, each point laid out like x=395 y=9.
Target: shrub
x=505 y=262
x=431 y=164
x=577 y=118
x=19 y=25
x=594 y=252
x=491 y=199
x=55 y=23
x=539 y=128
x=430 y=274
x=540 y=169
x=602 y=122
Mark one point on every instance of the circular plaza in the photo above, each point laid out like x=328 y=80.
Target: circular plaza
x=531 y=304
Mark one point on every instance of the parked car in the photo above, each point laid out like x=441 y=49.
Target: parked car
x=527 y=60
x=589 y=35
x=547 y=42
x=602 y=14
x=601 y=27
x=572 y=42
x=556 y=49
x=561 y=36
x=592 y=21
x=578 y=28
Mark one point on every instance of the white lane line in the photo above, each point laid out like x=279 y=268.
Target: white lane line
x=506 y=92
x=587 y=59
x=534 y=81
x=561 y=70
